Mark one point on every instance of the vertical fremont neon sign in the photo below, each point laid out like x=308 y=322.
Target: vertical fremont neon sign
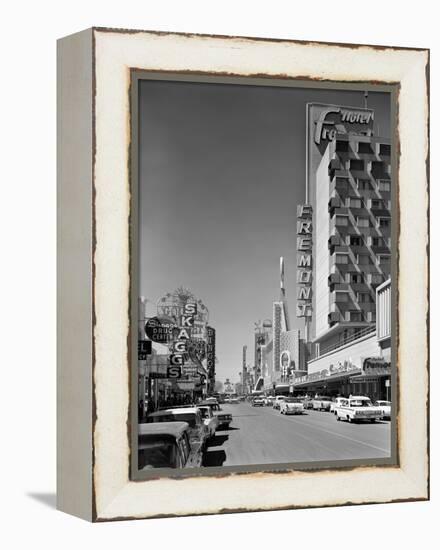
x=304 y=261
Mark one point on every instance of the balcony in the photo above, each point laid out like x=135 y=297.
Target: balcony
x=333 y=317
x=334 y=164
x=333 y=203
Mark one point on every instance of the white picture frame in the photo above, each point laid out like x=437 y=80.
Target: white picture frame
x=94 y=420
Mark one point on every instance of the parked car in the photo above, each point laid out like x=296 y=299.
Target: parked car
x=166 y=445
x=211 y=399
x=336 y=403
x=234 y=401
x=209 y=419
x=385 y=407
x=258 y=402
x=308 y=403
x=358 y=408
x=292 y=405
x=322 y=403
x=197 y=430
x=224 y=419
x=269 y=400
x=277 y=401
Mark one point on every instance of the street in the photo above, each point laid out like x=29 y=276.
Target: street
x=261 y=435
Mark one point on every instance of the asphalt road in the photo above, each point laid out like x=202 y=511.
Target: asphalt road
x=261 y=435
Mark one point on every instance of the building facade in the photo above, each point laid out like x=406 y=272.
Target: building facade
x=349 y=237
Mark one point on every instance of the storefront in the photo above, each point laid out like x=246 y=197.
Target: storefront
x=373 y=379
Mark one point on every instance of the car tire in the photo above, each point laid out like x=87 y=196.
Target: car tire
x=338 y=418
x=349 y=419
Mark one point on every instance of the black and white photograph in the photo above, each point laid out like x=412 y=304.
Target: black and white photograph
x=264 y=275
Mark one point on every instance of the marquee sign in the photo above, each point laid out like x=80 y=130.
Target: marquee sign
x=304 y=261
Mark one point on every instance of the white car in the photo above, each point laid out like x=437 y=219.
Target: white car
x=358 y=408
x=322 y=403
x=336 y=403
x=385 y=407
x=209 y=419
x=277 y=401
x=292 y=405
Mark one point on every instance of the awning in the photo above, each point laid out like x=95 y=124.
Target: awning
x=327 y=379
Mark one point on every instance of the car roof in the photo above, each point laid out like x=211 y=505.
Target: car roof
x=359 y=397
x=167 y=412
x=163 y=428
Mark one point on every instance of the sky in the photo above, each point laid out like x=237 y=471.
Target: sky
x=221 y=171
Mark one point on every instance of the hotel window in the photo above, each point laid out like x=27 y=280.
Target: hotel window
x=385 y=149
x=342 y=184
x=362 y=222
x=341 y=259
x=384 y=185
x=383 y=259
x=356 y=164
x=342 y=146
x=377 y=203
x=354 y=278
x=375 y=278
x=365 y=148
x=383 y=222
x=341 y=220
x=355 y=316
x=377 y=167
x=341 y=297
x=355 y=241
x=363 y=259
x=354 y=202
x=364 y=298
x=363 y=185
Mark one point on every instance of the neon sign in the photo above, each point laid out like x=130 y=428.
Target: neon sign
x=304 y=245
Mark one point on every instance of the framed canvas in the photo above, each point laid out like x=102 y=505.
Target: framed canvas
x=242 y=274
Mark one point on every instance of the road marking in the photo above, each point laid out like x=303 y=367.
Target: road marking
x=337 y=434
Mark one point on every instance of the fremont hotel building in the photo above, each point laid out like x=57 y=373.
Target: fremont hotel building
x=349 y=339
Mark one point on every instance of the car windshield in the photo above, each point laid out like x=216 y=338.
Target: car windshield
x=360 y=403
x=159 y=455
x=190 y=418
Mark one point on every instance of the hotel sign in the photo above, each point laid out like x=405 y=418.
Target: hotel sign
x=304 y=261
x=333 y=120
